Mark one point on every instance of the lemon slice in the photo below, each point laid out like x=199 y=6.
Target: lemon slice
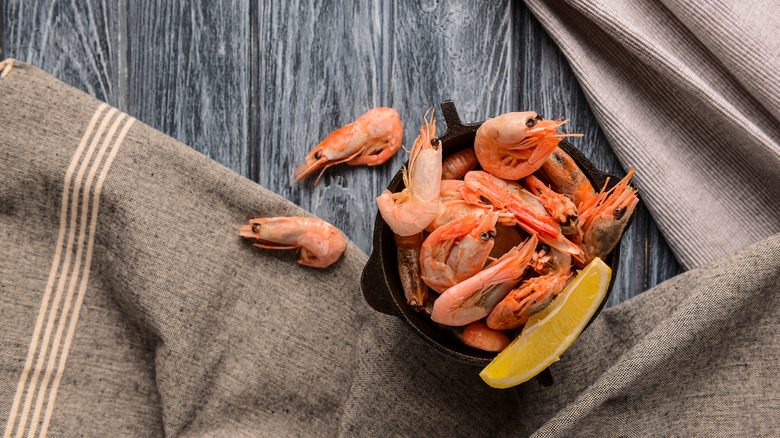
x=549 y=333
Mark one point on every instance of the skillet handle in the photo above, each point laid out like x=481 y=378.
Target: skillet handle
x=450 y=114
x=375 y=288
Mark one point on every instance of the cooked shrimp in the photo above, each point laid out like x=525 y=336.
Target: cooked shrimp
x=371 y=140
x=457 y=250
x=457 y=164
x=602 y=225
x=567 y=178
x=415 y=290
x=449 y=189
x=531 y=297
x=514 y=145
x=452 y=206
x=528 y=211
x=320 y=243
x=468 y=300
x=453 y=210
x=561 y=208
x=548 y=260
x=411 y=210
x=480 y=336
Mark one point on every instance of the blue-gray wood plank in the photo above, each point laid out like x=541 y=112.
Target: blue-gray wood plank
x=255 y=85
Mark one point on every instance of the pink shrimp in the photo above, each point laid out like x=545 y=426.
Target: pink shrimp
x=457 y=250
x=531 y=297
x=567 y=178
x=514 y=145
x=528 y=211
x=371 y=140
x=602 y=224
x=473 y=298
x=412 y=209
x=320 y=243
x=452 y=206
x=457 y=164
x=480 y=336
x=561 y=208
x=548 y=260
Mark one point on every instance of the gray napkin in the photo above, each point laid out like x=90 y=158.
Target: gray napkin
x=129 y=306
x=689 y=94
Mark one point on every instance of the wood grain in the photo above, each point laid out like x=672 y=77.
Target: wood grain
x=255 y=85
x=322 y=65
x=76 y=42
x=188 y=74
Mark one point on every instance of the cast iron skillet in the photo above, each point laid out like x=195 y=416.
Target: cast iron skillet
x=381 y=284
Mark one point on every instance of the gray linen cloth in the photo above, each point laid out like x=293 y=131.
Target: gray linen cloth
x=129 y=306
x=688 y=92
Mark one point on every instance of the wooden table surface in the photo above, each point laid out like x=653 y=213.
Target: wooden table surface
x=256 y=85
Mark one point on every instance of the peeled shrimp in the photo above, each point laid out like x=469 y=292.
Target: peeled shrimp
x=514 y=145
x=371 y=140
x=466 y=301
x=531 y=297
x=411 y=210
x=457 y=250
x=457 y=164
x=602 y=225
x=320 y=243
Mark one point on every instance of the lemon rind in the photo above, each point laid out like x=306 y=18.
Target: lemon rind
x=504 y=383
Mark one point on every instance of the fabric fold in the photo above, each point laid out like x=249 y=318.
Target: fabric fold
x=129 y=305
x=696 y=355
x=699 y=123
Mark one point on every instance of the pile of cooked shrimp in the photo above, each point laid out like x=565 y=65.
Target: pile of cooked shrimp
x=485 y=237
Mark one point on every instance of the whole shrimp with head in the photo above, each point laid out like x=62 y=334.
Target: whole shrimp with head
x=602 y=224
x=531 y=297
x=320 y=243
x=561 y=208
x=452 y=206
x=457 y=250
x=528 y=211
x=514 y=145
x=411 y=210
x=567 y=178
x=474 y=298
x=371 y=140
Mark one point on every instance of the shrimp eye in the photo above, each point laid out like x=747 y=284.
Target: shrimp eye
x=485 y=236
x=318 y=155
x=256 y=228
x=531 y=122
x=491 y=233
x=619 y=212
x=435 y=143
x=539 y=117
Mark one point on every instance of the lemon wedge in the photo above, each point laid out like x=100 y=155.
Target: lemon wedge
x=549 y=333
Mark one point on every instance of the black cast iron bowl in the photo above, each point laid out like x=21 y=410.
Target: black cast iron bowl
x=381 y=284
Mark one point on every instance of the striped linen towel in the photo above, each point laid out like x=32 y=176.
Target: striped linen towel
x=129 y=306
